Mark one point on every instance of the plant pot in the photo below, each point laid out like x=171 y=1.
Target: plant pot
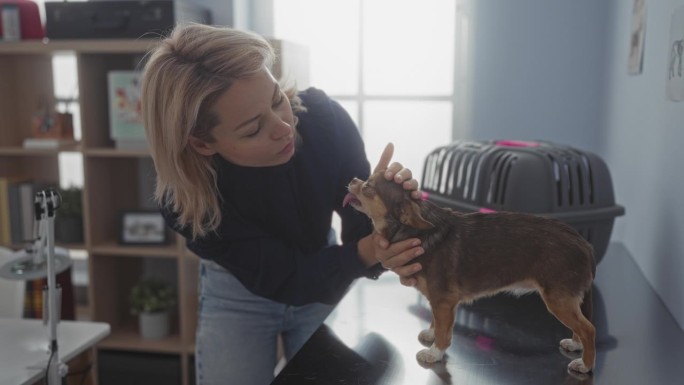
x=154 y=326
x=69 y=229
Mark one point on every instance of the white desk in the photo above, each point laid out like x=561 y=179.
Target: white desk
x=24 y=346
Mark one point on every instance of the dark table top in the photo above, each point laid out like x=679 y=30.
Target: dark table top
x=372 y=337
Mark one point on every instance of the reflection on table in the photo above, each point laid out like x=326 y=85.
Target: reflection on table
x=24 y=346
x=371 y=337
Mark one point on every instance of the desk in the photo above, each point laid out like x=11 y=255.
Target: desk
x=371 y=338
x=24 y=346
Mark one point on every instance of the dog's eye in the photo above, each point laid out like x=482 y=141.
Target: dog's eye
x=367 y=189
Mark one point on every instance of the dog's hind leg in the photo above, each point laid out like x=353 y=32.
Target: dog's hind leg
x=443 y=321
x=575 y=344
x=567 y=310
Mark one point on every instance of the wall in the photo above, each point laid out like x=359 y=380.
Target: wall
x=557 y=70
x=642 y=138
x=253 y=15
x=535 y=70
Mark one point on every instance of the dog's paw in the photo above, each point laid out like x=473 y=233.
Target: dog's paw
x=430 y=355
x=578 y=366
x=571 y=345
x=427 y=337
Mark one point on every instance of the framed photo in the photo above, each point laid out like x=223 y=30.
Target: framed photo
x=125 y=114
x=143 y=228
x=675 y=70
x=636 y=42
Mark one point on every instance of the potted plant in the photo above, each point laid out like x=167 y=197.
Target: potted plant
x=151 y=299
x=69 y=216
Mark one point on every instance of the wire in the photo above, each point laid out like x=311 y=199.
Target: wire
x=47 y=370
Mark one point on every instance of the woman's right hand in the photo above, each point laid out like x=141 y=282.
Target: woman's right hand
x=396 y=256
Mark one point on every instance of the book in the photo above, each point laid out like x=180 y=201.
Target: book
x=26 y=210
x=16 y=226
x=11 y=230
x=125 y=115
x=5 y=226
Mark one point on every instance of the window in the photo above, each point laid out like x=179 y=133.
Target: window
x=395 y=65
x=65 y=84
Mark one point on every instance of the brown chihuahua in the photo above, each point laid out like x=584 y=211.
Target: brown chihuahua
x=469 y=256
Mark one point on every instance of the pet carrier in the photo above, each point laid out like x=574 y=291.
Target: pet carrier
x=535 y=177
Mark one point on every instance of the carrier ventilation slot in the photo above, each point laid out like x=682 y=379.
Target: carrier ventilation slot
x=430 y=174
x=446 y=163
x=449 y=171
x=463 y=174
x=498 y=177
x=454 y=171
x=573 y=178
x=468 y=176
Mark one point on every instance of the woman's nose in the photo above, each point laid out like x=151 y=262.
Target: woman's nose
x=281 y=128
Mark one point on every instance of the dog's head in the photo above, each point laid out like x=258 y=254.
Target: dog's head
x=384 y=201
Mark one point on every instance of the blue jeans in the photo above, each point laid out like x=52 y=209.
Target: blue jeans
x=237 y=331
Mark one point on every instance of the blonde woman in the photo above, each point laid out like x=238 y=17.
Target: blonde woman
x=250 y=174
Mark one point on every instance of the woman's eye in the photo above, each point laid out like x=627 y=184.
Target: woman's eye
x=255 y=132
x=367 y=189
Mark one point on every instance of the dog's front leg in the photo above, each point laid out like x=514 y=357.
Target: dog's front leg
x=427 y=336
x=442 y=326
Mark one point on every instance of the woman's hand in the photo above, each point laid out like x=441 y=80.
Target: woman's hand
x=403 y=175
x=395 y=257
x=375 y=248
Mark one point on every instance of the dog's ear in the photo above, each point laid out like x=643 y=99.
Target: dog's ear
x=410 y=215
x=385 y=158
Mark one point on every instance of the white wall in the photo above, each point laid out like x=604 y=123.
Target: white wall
x=643 y=139
x=557 y=70
x=536 y=70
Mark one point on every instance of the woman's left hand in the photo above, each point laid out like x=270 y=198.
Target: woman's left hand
x=403 y=175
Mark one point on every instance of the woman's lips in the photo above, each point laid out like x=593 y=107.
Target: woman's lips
x=288 y=148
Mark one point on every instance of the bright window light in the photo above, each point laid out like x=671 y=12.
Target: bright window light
x=410 y=52
x=414 y=127
x=330 y=30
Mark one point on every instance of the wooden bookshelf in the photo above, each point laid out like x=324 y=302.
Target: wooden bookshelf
x=110 y=181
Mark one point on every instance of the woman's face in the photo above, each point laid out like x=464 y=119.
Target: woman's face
x=256 y=125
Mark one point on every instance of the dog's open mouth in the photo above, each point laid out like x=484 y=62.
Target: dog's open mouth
x=350 y=199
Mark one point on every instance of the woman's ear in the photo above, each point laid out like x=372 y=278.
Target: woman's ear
x=200 y=146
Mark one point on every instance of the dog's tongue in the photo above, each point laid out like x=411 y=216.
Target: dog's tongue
x=348 y=198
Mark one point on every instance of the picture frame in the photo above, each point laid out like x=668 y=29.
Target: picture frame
x=143 y=228
x=675 y=62
x=126 y=126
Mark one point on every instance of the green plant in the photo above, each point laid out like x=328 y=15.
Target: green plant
x=72 y=202
x=151 y=296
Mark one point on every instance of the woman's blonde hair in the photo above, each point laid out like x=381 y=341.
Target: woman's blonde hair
x=183 y=77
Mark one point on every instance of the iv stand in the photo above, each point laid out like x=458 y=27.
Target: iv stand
x=46 y=203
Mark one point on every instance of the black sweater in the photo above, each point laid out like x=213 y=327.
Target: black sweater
x=273 y=234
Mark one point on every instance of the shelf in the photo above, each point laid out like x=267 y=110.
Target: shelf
x=83 y=313
x=129 y=339
x=115 y=181
x=170 y=251
x=21 y=151
x=103 y=46
x=116 y=153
